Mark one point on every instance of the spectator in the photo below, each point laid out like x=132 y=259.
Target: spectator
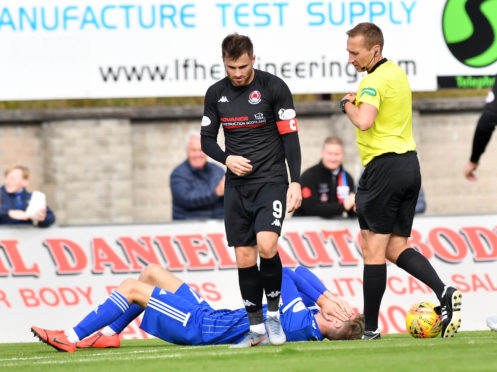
x=327 y=189
x=421 y=202
x=16 y=200
x=196 y=185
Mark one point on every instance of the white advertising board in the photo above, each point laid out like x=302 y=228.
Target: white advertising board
x=53 y=277
x=59 y=49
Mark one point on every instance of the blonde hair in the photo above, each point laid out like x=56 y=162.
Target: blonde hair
x=332 y=140
x=22 y=168
x=351 y=329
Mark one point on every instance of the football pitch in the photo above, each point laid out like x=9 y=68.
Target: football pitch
x=468 y=351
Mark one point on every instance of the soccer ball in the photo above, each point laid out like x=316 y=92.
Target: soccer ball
x=422 y=321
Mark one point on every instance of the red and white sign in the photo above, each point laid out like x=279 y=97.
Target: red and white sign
x=53 y=277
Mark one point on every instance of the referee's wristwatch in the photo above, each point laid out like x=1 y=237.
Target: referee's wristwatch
x=343 y=102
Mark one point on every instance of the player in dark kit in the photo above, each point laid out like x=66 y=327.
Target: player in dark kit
x=259 y=122
x=483 y=132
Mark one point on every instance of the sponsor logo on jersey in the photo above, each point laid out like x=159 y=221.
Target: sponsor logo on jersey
x=370 y=91
x=286 y=114
x=205 y=121
x=223 y=99
x=254 y=97
x=247 y=303
x=239 y=118
x=276 y=222
x=243 y=121
x=273 y=294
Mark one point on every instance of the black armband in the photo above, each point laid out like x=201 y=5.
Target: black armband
x=343 y=102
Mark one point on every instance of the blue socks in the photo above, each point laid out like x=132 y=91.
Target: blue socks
x=126 y=318
x=109 y=311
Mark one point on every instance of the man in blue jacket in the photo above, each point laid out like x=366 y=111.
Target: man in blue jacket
x=15 y=200
x=197 y=186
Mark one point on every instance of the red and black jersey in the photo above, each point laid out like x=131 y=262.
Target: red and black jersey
x=254 y=119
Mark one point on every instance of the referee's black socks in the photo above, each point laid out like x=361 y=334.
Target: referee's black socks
x=271 y=274
x=418 y=266
x=374 y=284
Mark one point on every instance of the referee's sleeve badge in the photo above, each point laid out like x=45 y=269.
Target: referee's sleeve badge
x=369 y=91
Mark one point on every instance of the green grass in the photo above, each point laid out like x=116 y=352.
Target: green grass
x=468 y=351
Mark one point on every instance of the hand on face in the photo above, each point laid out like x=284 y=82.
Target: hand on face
x=333 y=309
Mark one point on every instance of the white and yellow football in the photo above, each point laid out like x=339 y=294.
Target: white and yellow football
x=422 y=321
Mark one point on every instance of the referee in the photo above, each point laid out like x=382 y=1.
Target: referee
x=256 y=112
x=386 y=197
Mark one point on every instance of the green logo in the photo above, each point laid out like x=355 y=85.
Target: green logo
x=470 y=31
x=370 y=91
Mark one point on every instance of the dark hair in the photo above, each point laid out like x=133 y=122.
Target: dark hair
x=352 y=329
x=234 y=46
x=372 y=34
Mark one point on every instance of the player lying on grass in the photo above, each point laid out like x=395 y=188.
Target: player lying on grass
x=175 y=313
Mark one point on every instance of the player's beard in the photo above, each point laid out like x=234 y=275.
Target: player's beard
x=245 y=80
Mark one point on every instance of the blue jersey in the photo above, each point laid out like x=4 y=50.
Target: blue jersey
x=297 y=311
x=184 y=318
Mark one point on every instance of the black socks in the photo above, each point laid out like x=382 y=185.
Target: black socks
x=418 y=266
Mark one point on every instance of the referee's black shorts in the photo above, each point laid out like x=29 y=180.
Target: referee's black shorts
x=251 y=208
x=387 y=194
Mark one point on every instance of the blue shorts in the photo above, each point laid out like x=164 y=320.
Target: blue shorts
x=184 y=318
